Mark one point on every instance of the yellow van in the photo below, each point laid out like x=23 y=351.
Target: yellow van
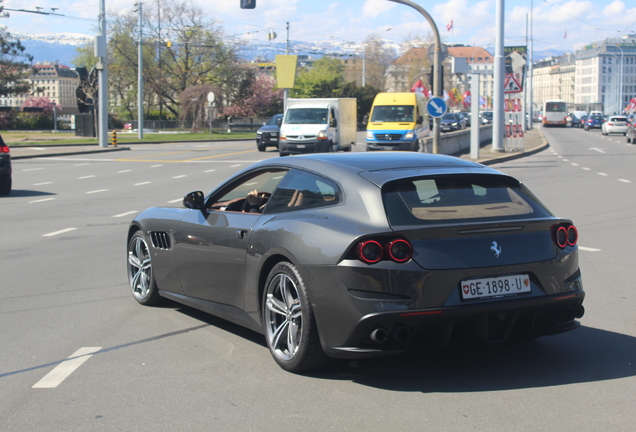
x=398 y=121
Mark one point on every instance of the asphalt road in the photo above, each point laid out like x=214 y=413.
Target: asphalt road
x=63 y=288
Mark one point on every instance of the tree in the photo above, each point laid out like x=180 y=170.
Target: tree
x=257 y=96
x=15 y=65
x=194 y=104
x=324 y=79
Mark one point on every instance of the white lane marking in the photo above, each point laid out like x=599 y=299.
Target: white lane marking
x=587 y=249
x=234 y=166
x=97 y=191
x=38 y=148
x=41 y=184
x=32 y=169
x=75 y=159
x=209 y=170
x=575 y=164
x=58 y=232
x=82 y=164
x=566 y=160
x=123 y=171
x=142 y=183
x=624 y=181
x=66 y=368
x=126 y=214
x=155 y=166
x=85 y=177
x=174 y=201
x=41 y=200
x=587 y=169
x=179 y=176
x=560 y=157
x=602 y=174
x=597 y=149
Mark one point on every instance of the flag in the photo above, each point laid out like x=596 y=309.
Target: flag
x=446 y=96
x=426 y=92
x=482 y=102
x=418 y=86
x=455 y=96
x=631 y=107
x=467 y=99
x=449 y=26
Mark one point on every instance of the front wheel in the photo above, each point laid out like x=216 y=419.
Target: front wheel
x=289 y=323
x=140 y=275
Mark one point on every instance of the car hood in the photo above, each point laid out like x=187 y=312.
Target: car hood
x=269 y=128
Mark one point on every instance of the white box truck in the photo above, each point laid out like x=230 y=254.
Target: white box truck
x=318 y=125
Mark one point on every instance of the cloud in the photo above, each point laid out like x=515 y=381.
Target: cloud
x=613 y=9
x=374 y=8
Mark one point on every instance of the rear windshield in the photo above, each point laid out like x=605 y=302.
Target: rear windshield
x=457 y=199
x=555 y=106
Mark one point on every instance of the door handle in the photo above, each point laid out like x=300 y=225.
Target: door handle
x=240 y=234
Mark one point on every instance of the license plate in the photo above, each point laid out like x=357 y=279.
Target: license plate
x=496 y=287
x=300 y=146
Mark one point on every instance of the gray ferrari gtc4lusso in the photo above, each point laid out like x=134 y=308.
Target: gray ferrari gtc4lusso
x=363 y=254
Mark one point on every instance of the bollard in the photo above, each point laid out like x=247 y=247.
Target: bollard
x=114 y=143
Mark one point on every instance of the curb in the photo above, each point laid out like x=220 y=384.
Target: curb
x=71 y=153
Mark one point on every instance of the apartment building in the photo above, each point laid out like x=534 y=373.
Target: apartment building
x=58 y=83
x=553 y=78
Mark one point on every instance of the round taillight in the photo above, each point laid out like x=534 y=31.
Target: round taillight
x=562 y=237
x=400 y=250
x=370 y=251
x=573 y=235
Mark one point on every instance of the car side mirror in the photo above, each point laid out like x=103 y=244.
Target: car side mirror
x=420 y=120
x=193 y=200
x=279 y=122
x=334 y=123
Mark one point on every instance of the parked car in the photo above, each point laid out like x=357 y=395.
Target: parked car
x=574 y=118
x=5 y=168
x=486 y=117
x=452 y=121
x=269 y=134
x=615 y=124
x=582 y=122
x=351 y=255
x=630 y=131
x=594 y=121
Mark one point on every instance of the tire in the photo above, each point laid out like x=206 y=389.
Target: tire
x=140 y=276
x=261 y=148
x=290 y=327
x=5 y=186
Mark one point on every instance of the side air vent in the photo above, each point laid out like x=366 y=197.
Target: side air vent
x=160 y=240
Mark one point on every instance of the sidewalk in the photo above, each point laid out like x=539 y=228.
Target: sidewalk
x=533 y=142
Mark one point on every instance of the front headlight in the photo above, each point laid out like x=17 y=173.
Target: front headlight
x=454 y=124
x=259 y=133
x=322 y=134
x=369 y=135
x=409 y=135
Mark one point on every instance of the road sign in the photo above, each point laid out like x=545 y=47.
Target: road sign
x=511 y=84
x=436 y=107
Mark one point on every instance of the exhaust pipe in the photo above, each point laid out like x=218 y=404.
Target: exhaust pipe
x=579 y=311
x=379 y=335
x=401 y=333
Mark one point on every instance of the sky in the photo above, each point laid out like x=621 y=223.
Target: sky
x=563 y=25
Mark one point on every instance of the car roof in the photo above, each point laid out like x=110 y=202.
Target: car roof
x=378 y=167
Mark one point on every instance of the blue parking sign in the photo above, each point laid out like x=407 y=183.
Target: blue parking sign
x=436 y=107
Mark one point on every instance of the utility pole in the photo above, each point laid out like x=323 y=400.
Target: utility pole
x=286 y=90
x=530 y=72
x=437 y=65
x=102 y=68
x=140 y=74
x=498 y=96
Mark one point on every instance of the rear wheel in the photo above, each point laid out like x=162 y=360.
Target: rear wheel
x=288 y=320
x=140 y=275
x=261 y=147
x=5 y=186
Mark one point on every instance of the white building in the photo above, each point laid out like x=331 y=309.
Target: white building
x=553 y=78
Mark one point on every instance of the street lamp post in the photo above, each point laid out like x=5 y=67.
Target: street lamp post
x=620 y=80
x=436 y=66
x=140 y=76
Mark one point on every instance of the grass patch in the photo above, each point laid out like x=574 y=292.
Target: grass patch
x=22 y=138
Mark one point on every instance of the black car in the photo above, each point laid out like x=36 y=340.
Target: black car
x=269 y=133
x=452 y=121
x=582 y=122
x=352 y=255
x=5 y=168
x=487 y=117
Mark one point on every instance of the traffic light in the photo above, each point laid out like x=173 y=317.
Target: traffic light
x=248 y=4
x=431 y=78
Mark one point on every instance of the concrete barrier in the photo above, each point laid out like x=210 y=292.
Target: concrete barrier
x=455 y=142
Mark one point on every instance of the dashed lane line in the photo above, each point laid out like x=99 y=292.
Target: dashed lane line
x=126 y=214
x=588 y=249
x=65 y=230
x=41 y=200
x=97 y=191
x=66 y=368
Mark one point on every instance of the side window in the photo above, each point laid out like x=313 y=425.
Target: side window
x=301 y=190
x=234 y=196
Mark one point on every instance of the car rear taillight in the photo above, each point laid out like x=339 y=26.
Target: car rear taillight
x=5 y=149
x=565 y=235
x=373 y=251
